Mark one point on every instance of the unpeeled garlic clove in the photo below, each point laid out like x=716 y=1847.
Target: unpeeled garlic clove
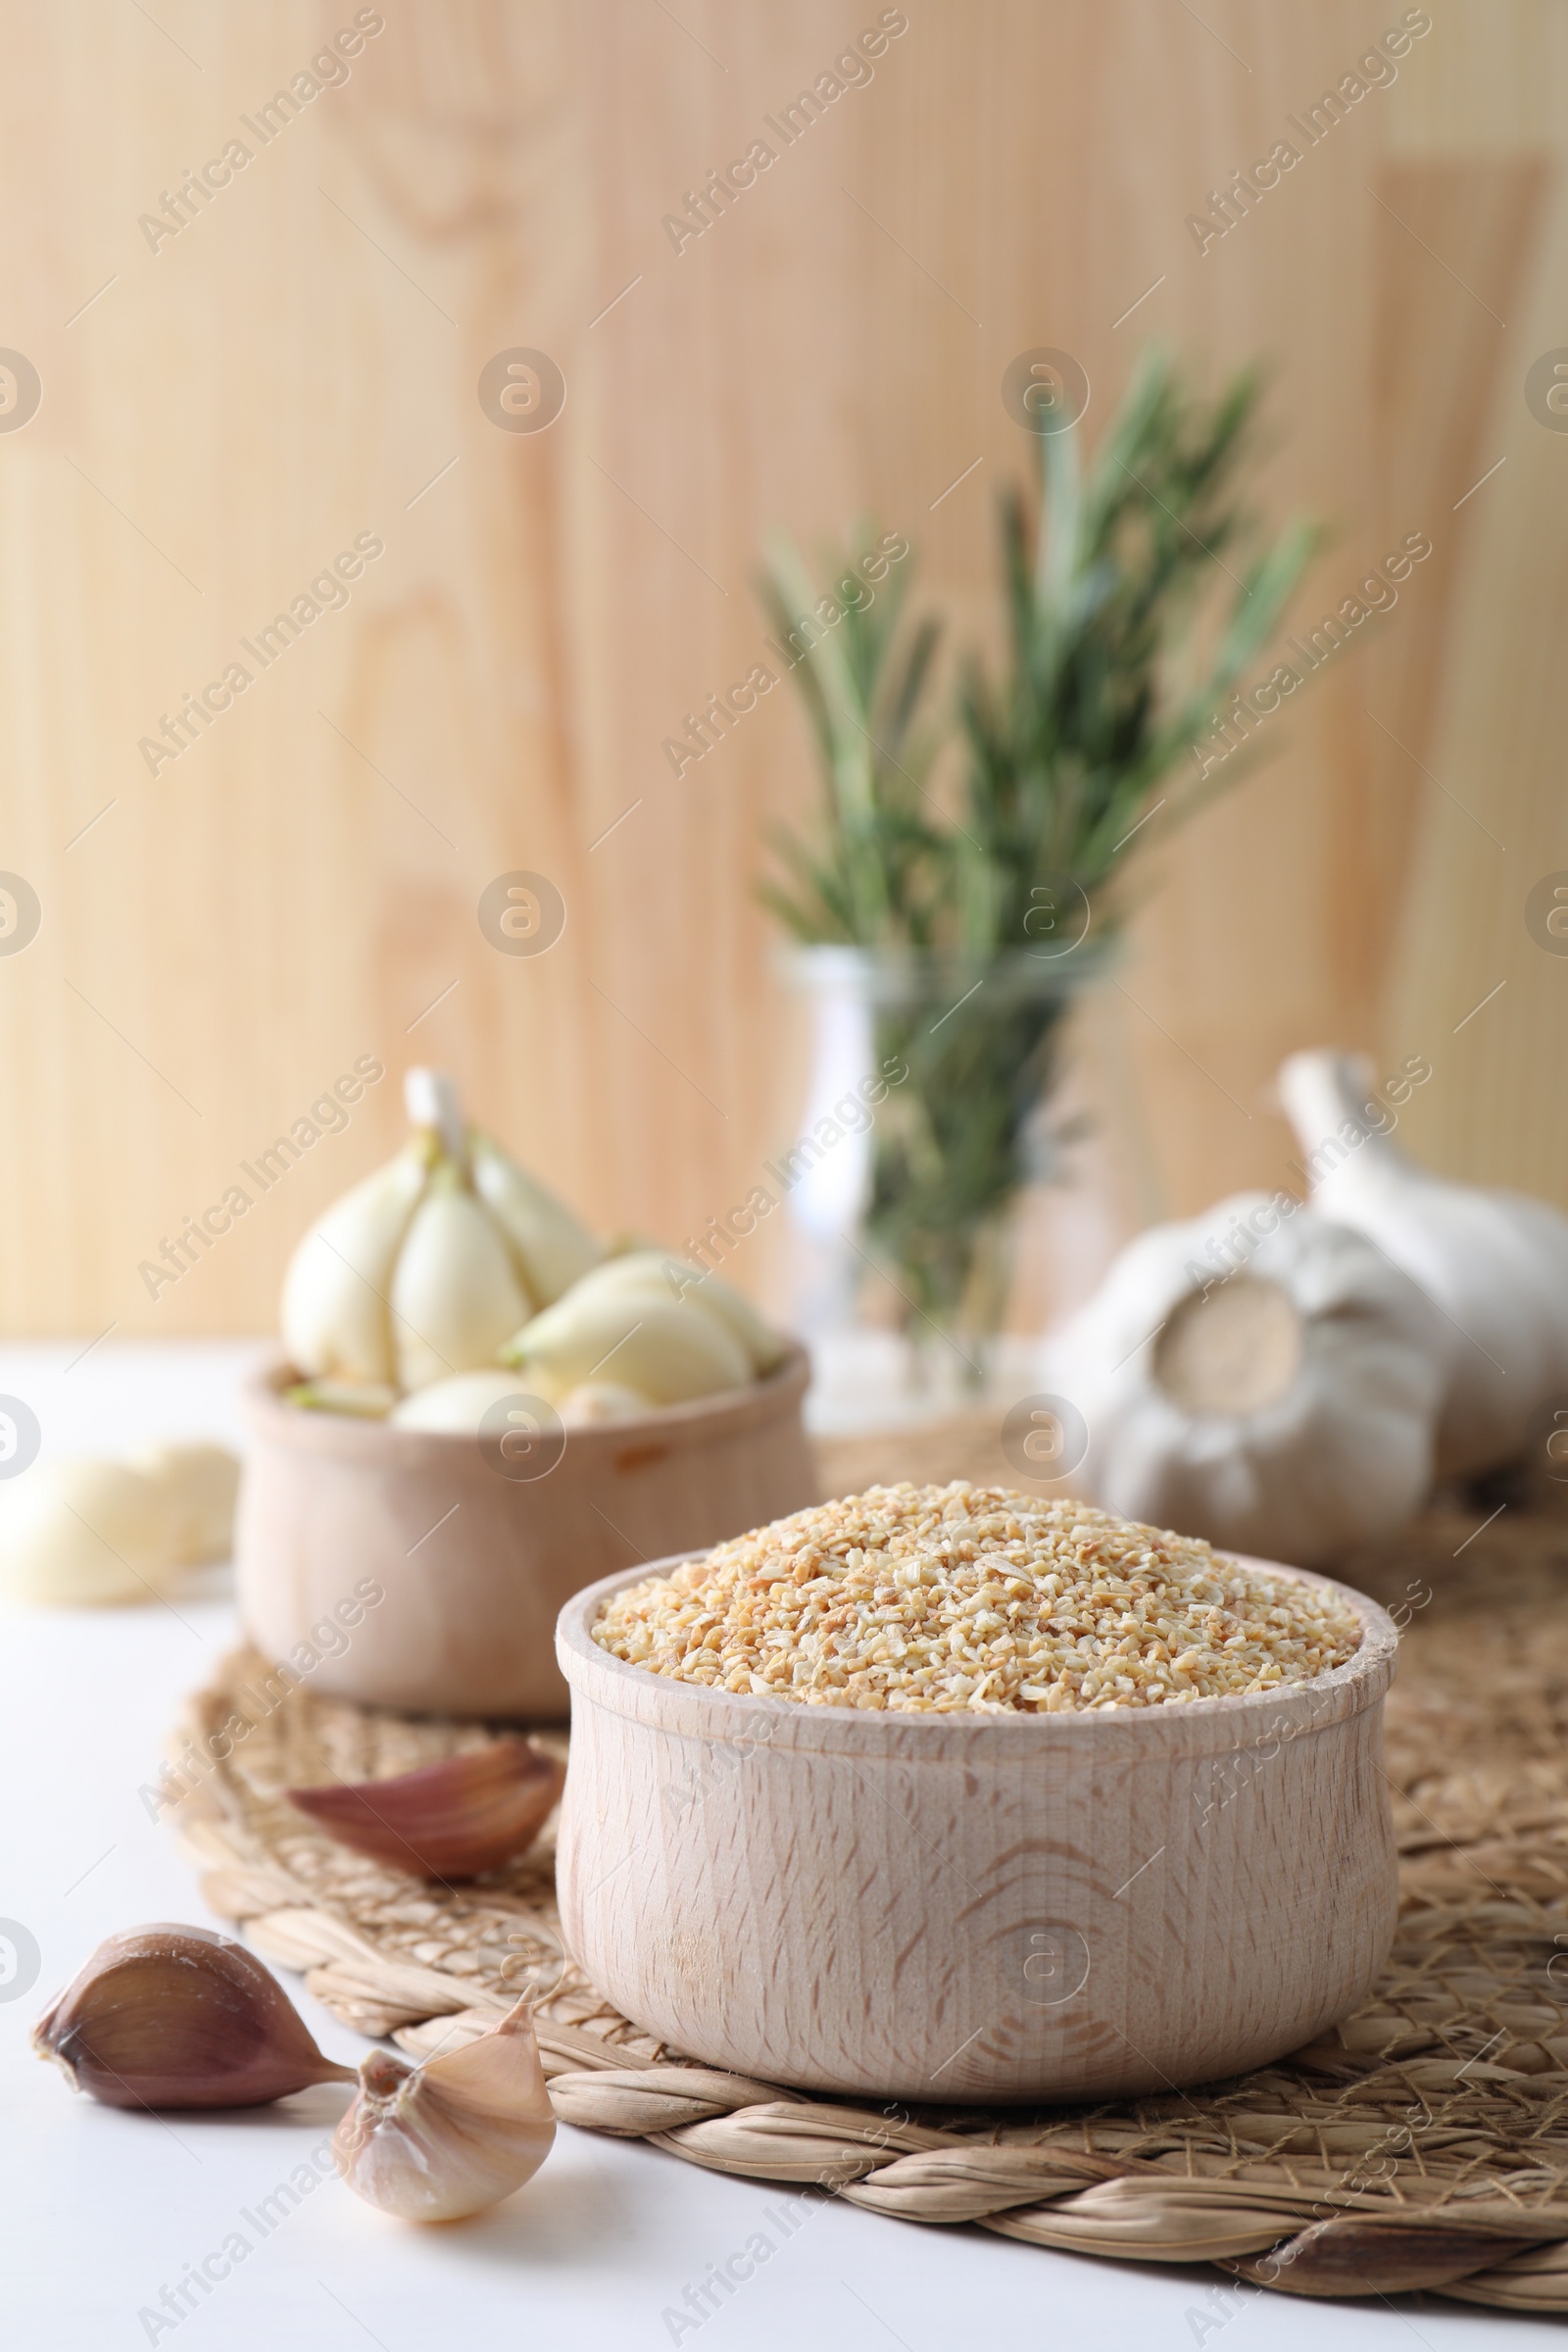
x=172 y=2016
x=438 y=2141
x=450 y=1820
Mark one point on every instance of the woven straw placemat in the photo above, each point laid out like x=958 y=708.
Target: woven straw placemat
x=1424 y=2146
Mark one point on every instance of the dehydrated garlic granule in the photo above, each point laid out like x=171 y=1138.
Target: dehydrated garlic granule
x=941 y=1599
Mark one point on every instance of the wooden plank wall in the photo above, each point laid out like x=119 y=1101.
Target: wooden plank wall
x=1495 y=821
x=223 y=415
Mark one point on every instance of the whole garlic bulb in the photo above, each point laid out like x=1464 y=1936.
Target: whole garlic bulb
x=1259 y=1377
x=424 y=1268
x=1493 y=1263
x=455 y=2136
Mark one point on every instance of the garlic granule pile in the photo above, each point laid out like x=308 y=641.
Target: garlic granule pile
x=936 y=1598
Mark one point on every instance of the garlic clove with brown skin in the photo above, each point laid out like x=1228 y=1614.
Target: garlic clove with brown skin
x=439 y=2141
x=450 y=1820
x=175 y=2015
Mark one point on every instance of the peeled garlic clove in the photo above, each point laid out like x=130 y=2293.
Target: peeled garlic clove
x=203 y=1485
x=459 y=1404
x=434 y=2142
x=597 y=1401
x=450 y=1820
x=89 y=1532
x=170 y=2015
x=369 y=1399
x=676 y=1278
x=454 y=1296
x=336 y=1317
x=551 y=1249
x=670 y=1352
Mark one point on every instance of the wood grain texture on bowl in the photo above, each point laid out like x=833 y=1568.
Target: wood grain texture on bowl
x=476 y=1566
x=976 y=1907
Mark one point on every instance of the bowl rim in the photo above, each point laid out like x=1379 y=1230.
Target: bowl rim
x=1200 y=1727
x=729 y=1411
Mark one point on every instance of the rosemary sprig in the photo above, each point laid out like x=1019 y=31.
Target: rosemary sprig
x=1107 y=572
x=872 y=875
x=1138 y=592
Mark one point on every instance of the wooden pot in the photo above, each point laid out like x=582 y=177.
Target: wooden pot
x=475 y=1565
x=977 y=1908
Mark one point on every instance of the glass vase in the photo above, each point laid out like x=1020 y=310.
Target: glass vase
x=927 y=1113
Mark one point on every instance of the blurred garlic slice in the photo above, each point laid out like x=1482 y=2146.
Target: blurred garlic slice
x=336 y=1314
x=664 y=1276
x=454 y=1293
x=670 y=1352
x=459 y=1404
x=552 y=1249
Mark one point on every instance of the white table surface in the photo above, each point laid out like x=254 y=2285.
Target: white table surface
x=103 y=2210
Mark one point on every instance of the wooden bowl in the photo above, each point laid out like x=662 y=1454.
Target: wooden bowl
x=473 y=1565
x=977 y=1908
